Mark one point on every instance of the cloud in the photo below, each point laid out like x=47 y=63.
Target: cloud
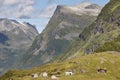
x=10 y=2
x=16 y=8
x=48 y=11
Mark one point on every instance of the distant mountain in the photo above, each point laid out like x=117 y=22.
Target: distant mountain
x=101 y=35
x=15 y=39
x=63 y=28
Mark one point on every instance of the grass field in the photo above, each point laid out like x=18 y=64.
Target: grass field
x=84 y=68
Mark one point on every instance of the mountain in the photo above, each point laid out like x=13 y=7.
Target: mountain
x=15 y=39
x=101 y=35
x=84 y=68
x=63 y=28
x=105 y=32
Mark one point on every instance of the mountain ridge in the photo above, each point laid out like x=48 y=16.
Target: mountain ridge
x=104 y=29
x=81 y=59
x=63 y=28
x=15 y=39
x=80 y=9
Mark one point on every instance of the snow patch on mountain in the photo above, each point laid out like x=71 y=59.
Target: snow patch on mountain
x=14 y=26
x=83 y=8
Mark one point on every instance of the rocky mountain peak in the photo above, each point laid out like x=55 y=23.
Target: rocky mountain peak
x=93 y=6
x=80 y=9
x=88 y=5
x=15 y=26
x=83 y=5
x=15 y=39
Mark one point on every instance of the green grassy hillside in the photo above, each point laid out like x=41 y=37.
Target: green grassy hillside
x=84 y=67
x=110 y=46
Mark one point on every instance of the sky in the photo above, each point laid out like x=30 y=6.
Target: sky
x=36 y=12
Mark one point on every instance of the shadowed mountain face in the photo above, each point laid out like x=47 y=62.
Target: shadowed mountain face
x=3 y=38
x=101 y=35
x=64 y=27
x=15 y=39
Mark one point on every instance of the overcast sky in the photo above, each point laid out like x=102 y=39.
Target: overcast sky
x=37 y=12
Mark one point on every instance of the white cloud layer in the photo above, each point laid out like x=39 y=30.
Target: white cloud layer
x=48 y=11
x=16 y=8
x=10 y=2
x=25 y=9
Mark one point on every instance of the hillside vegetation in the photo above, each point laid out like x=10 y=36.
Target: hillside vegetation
x=110 y=46
x=84 y=68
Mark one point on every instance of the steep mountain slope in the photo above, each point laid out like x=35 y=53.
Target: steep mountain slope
x=15 y=39
x=64 y=27
x=105 y=29
x=110 y=46
x=84 y=68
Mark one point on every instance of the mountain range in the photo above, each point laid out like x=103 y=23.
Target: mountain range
x=63 y=28
x=91 y=55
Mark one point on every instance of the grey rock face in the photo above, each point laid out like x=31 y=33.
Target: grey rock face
x=15 y=39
